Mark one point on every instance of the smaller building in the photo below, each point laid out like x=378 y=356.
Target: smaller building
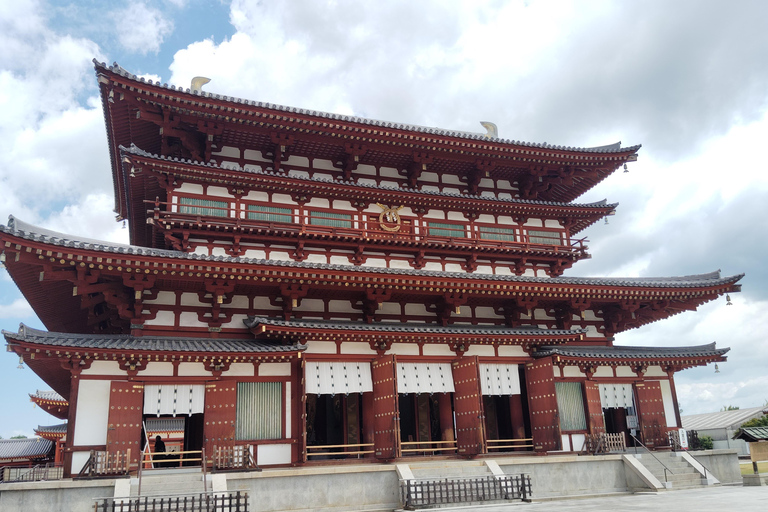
x=721 y=426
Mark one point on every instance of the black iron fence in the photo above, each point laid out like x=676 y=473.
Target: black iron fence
x=426 y=493
x=203 y=502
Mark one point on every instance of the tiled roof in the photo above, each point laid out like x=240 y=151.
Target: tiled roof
x=753 y=434
x=599 y=204
x=628 y=352
x=31 y=448
x=146 y=343
x=26 y=231
x=61 y=428
x=49 y=396
x=492 y=330
x=721 y=419
x=611 y=148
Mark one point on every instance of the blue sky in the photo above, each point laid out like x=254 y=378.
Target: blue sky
x=683 y=78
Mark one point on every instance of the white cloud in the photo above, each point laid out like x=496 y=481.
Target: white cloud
x=141 y=28
x=19 y=308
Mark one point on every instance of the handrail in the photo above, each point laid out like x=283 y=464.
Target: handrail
x=702 y=464
x=576 y=245
x=497 y=443
x=361 y=449
x=449 y=446
x=654 y=456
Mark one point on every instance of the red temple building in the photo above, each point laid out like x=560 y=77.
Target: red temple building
x=316 y=286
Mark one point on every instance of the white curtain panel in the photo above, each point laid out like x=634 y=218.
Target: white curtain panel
x=499 y=379
x=338 y=378
x=174 y=399
x=424 y=378
x=616 y=395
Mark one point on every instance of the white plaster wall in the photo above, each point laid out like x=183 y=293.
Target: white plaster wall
x=300 y=161
x=255 y=254
x=189 y=319
x=404 y=349
x=229 y=151
x=193 y=370
x=655 y=371
x=92 y=418
x=433 y=265
x=454 y=267
x=165 y=298
x=366 y=169
x=191 y=299
x=271 y=454
x=438 y=349
x=669 y=404
x=511 y=351
x=374 y=262
x=480 y=350
x=283 y=199
x=275 y=370
x=321 y=347
x=356 y=347
x=104 y=368
x=319 y=163
x=252 y=154
x=240 y=370
x=604 y=371
x=255 y=195
x=288 y=407
x=190 y=188
x=219 y=192
x=572 y=371
x=416 y=309
x=625 y=371
x=158 y=368
x=167 y=318
x=429 y=176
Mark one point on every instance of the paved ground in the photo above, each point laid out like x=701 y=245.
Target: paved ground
x=716 y=499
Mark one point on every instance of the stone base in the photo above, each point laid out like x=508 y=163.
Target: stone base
x=755 y=480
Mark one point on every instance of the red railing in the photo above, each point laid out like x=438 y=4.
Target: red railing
x=237 y=219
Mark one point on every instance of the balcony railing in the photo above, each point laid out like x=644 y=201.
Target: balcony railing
x=357 y=228
x=337 y=451
x=510 y=444
x=428 y=447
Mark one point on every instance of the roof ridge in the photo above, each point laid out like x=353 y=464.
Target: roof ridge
x=119 y=70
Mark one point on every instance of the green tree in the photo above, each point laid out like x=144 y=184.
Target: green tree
x=730 y=408
x=706 y=443
x=20 y=436
x=756 y=422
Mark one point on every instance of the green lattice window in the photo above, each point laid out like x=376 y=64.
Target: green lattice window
x=269 y=213
x=544 y=237
x=570 y=405
x=259 y=411
x=194 y=206
x=445 y=229
x=334 y=220
x=502 y=234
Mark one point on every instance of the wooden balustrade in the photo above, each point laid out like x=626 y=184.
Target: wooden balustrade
x=510 y=444
x=106 y=464
x=428 y=446
x=340 y=450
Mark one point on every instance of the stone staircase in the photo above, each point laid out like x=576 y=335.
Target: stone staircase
x=164 y=482
x=438 y=469
x=680 y=473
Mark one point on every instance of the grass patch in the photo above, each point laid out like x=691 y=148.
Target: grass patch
x=746 y=468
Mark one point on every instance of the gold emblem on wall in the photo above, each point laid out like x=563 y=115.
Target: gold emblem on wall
x=389 y=218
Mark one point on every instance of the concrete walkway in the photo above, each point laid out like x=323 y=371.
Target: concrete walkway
x=716 y=499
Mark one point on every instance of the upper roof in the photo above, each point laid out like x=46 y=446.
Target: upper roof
x=721 y=419
x=48 y=396
x=135 y=108
x=30 y=448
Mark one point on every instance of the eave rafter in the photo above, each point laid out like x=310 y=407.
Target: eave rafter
x=619 y=307
x=638 y=364
x=565 y=172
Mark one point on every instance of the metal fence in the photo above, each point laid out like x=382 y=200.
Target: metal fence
x=203 y=502
x=427 y=493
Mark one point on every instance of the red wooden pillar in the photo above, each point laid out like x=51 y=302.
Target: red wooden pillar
x=468 y=403
x=516 y=417
x=678 y=421
x=596 y=423
x=368 y=419
x=446 y=417
x=220 y=415
x=650 y=409
x=74 y=387
x=386 y=415
x=542 y=405
x=126 y=408
x=298 y=401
